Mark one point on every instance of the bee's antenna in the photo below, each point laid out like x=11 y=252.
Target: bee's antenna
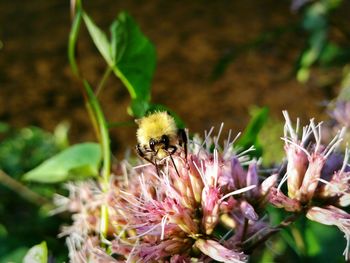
x=172 y=160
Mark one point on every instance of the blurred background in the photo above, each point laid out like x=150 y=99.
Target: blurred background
x=216 y=61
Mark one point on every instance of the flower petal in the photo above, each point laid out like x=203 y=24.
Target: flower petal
x=218 y=252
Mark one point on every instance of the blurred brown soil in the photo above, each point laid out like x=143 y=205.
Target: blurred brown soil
x=38 y=88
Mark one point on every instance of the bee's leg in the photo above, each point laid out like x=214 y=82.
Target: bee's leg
x=172 y=160
x=173 y=149
x=171 y=152
x=183 y=140
x=143 y=155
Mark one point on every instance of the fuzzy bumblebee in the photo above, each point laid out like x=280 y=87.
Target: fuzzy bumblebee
x=159 y=137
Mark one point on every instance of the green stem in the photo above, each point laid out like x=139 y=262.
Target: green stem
x=104 y=222
x=103 y=80
x=22 y=190
x=104 y=141
x=126 y=82
x=104 y=138
x=299 y=241
x=249 y=249
x=73 y=37
x=94 y=111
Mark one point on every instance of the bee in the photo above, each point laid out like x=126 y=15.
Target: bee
x=159 y=137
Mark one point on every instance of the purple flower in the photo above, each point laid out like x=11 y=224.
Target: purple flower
x=165 y=216
x=306 y=160
x=315 y=175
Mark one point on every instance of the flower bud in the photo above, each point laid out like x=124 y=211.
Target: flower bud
x=238 y=174
x=296 y=168
x=248 y=211
x=210 y=206
x=278 y=199
x=252 y=179
x=267 y=184
x=311 y=178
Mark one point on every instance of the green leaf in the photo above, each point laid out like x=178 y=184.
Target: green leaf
x=37 y=254
x=73 y=36
x=134 y=56
x=99 y=38
x=15 y=255
x=303 y=74
x=3 y=231
x=22 y=150
x=138 y=107
x=313 y=246
x=315 y=17
x=276 y=247
x=82 y=159
x=61 y=135
x=271 y=143
x=329 y=53
x=324 y=243
x=250 y=135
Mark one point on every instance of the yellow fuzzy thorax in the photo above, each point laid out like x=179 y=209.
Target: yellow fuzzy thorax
x=154 y=126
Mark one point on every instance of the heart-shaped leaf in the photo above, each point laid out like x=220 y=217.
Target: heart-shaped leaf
x=99 y=38
x=81 y=160
x=134 y=56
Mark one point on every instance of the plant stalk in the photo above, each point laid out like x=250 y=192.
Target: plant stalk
x=22 y=190
x=248 y=250
x=103 y=80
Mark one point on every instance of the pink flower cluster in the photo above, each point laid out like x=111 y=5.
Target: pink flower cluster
x=209 y=205
x=317 y=178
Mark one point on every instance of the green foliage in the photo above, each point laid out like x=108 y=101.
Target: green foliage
x=100 y=39
x=133 y=54
x=271 y=143
x=14 y=256
x=323 y=243
x=37 y=254
x=102 y=129
x=4 y=127
x=250 y=137
x=73 y=37
x=21 y=150
x=303 y=241
x=129 y=54
x=320 y=49
x=81 y=160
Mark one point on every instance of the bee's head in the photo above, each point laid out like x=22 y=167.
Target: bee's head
x=162 y=143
